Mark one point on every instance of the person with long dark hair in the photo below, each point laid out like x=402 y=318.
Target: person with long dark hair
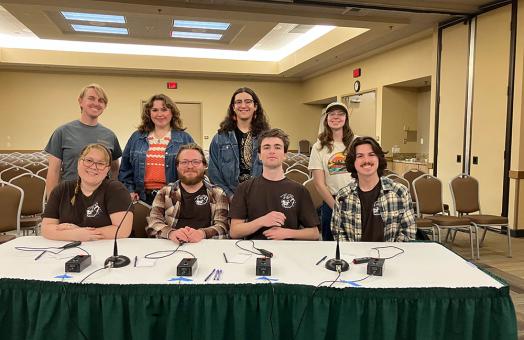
x=148 y=162
x=233 y=156
x=328 y=161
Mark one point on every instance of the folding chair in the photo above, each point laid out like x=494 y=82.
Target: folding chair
x=141 y=212
x=428 y=192
x=33 y=203
x=297 y=176
x=11 y=197
x=466 y=200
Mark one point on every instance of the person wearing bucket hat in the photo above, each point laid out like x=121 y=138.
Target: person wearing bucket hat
x=327 y=161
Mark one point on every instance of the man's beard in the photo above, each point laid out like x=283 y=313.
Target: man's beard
x=193 y=180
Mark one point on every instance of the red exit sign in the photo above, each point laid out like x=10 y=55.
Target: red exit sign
x=172 y=85
x=356 y=73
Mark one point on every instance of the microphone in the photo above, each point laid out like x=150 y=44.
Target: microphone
x=337 y=264
x=118 y=261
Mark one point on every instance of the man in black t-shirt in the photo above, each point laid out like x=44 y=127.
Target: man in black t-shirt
x=272 y=206
x=372 y=208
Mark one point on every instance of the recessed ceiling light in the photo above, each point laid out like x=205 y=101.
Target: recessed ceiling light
x=100 y=29
x=195 y=35
x=116 y=19
x=201 y=24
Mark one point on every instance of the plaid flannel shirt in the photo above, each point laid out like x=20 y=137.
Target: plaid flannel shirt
x=165 y=211
x=396 y=210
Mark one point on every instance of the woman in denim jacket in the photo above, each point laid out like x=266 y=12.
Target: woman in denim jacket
x=233 y=156
x=148 y=162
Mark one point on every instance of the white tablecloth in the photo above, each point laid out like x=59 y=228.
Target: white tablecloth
x=421 y=265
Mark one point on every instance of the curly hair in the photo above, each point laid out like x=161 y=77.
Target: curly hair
x=326 y=136
x=352 y=155
x=147 y=124
x=259 y=122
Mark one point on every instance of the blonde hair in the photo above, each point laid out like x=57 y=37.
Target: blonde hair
x=87 y=149
x=98 y=89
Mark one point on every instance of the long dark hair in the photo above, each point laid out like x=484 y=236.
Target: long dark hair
x=352 y=155
x=259 y=122
x=326 y=136
x=147 y=124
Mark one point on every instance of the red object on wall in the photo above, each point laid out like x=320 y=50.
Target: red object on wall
x=356 y=73
x=172 y=85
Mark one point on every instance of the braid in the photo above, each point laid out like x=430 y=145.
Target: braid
x=77 y=189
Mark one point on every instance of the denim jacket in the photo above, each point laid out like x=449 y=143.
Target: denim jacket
x=224 y=161
x=133 y=167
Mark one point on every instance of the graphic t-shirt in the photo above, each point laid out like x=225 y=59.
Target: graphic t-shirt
x=195 y=211
x=333 y=164
x=89 y=211
x=259 y=196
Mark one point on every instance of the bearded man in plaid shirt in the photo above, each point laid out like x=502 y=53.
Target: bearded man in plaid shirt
x=372 y=208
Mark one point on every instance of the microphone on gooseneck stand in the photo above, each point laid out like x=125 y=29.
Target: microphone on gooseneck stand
x=118 y=261
x=337 y=264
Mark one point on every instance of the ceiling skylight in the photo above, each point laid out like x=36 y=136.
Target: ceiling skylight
x=195 y=35
x=116 y=19
x=100 y=29
x=222 y=26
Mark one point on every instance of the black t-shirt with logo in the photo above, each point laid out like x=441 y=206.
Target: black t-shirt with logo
x=195 y=210
x=372 y=223
x=93 y=211
x=258 y=196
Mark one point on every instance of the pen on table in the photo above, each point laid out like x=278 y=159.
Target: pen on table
x=39 y=256
x=136 y=259
x=225 y=257
x=212 y=272
x=320 y=261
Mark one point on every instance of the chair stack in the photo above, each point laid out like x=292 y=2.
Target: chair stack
x=22 y=192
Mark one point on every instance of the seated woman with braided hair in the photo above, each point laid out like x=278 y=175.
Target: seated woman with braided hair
x=90 y=208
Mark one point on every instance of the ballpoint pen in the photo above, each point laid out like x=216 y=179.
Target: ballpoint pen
x=136 y=259
x=320 y=261
x=212 y=272
x=40 y=255
x=225 y=257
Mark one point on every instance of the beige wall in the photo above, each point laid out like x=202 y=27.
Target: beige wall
x=50 y=100
x=411 y=61
x=490 y=105
x=452 y=102
x=423 y=120
x=399 y=113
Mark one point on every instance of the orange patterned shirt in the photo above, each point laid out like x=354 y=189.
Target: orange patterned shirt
x=155 y=172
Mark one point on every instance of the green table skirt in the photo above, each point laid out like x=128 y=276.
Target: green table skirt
x=49 y=310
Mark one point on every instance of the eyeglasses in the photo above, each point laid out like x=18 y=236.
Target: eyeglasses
x=245 y=101
x=88 y=162
x=194 y=162
x=336 y=113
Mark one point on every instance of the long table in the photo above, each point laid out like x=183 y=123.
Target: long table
x=427 y=292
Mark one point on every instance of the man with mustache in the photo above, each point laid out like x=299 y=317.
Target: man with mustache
x=372 y=208
x=191 y=208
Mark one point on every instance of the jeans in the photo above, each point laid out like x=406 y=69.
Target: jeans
x=325 y=222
